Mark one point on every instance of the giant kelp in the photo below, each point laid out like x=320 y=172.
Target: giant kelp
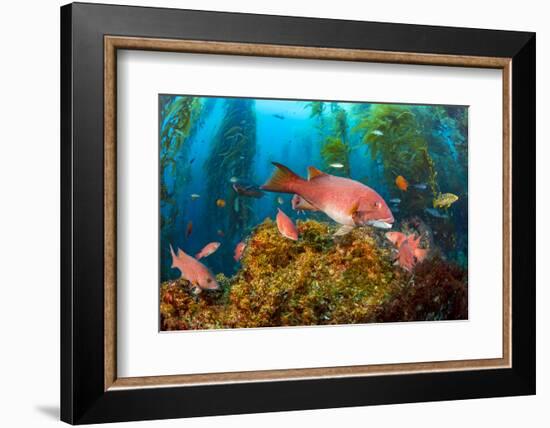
x=231 y=158
x=445 y=128
x=178 y=118
x=394 y=135
x=317 y=109
x=317 y=281
x=336 y=147
x=418 y=142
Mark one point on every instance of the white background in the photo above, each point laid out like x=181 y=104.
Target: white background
x=29 y=230
x=142 y=351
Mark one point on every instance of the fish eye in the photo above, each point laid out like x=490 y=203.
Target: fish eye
x=377 y=204
x=208 y=280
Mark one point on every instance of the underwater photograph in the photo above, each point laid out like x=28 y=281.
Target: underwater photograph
x=282 y=212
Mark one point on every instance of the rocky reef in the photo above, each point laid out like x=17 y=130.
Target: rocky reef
x=318 y=280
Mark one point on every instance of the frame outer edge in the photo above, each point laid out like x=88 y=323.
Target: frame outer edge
x=82 y=401
x=524 y=219
x=66 y=304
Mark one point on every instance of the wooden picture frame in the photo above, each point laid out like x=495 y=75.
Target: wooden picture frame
x=91 y=390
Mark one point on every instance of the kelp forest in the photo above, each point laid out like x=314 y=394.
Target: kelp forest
x=296 y=212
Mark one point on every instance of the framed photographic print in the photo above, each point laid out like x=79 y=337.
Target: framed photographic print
x=292 y=213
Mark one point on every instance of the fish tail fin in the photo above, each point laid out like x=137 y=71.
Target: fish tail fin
x=282 y=180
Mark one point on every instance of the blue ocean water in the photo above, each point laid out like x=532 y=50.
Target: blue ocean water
x=211 y=146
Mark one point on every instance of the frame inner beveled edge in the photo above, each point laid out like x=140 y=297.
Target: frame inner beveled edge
x=113 y=43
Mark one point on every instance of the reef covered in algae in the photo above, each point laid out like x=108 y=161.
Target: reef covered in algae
x=318 y=280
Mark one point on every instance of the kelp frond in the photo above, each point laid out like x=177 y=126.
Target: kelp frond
x=317 y=108
x=334 y=150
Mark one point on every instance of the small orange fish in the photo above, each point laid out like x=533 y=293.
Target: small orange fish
x=207 y=250
x=285 y=226
x=239 y=250
x=189 y=229
x=220 y=203
x=401 y=183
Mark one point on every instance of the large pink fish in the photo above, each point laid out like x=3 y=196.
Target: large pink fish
x=193 y=271
x=408 y=251
x=285 y=226
x=207 y=250
x=346 y=201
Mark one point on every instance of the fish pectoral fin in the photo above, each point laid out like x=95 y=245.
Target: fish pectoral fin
x=343 y=230
x=354 y=208
x=306 y=205
x=357 y=214
x=356 y=218
x=313 y=172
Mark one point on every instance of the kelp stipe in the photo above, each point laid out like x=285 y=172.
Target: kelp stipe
x=231 y=158
x=393 y=134
x=317 y=108
x=178 y=117
x=336 y=148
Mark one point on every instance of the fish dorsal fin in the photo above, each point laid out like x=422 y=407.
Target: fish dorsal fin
x=174 y=257
x=313 y=172
x=181 y=253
